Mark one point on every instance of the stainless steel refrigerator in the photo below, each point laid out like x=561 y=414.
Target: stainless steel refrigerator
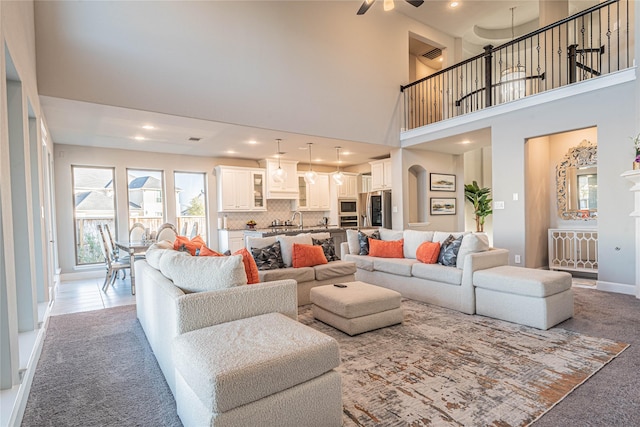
x=379 y=209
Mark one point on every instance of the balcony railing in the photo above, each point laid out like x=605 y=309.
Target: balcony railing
x=591 y=43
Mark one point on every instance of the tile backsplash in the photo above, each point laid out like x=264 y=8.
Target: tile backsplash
x=276 y=209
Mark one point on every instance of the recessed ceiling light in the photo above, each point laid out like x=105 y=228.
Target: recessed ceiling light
x=466 y=141
x=454 y=4
x=346 y=153
x=148 y=127
x=441 y=59
x=139 y=138
x=230 y=152
x=252 y=142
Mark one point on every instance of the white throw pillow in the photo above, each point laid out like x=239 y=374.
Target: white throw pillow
x=353 y=242
x=166 y=259
x=321 y=236
x=200 y=274
x=286 y=246
x=413 y=239
x=386 y=234
x=472 y=243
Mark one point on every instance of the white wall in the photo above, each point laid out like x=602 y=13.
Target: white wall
x=539 y=197
x=311 y=67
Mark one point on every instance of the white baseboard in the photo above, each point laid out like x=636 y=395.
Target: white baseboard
x=619 y=288
x=82 y=275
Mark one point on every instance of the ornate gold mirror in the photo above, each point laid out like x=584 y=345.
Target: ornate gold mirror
x=577 y=182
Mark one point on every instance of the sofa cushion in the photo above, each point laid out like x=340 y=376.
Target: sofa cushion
x=353 y=241
x=268 y=257
x=471 y=243
x=155 y=252
x=286 y=246
x=387 y=234
x=413 y=239
x=386 y=249
x=399 y=266
x=250 y=266
x=334 y=269
x=522 y=281
x=307 y=255
x=328 y=247
x=167 y=258
x=363 y=241
x=437 y=273
x=302 y=274
x=364 y=262
x=260 y=242
x=428 y=252
x=449 y=251
x=441 y=236
x=199 y=274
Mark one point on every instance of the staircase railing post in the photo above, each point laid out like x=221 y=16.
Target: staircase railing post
x=487 y=76
x=573 y=66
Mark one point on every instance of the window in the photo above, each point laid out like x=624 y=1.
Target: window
x=146 y=200
x=191 y=203
x=93 y=204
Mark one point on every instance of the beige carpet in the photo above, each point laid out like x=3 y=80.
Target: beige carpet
x=444 y=368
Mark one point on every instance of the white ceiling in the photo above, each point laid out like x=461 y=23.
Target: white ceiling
x=80 y=123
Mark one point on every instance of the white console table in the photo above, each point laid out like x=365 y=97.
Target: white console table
x=634 y=176
x=573 y=249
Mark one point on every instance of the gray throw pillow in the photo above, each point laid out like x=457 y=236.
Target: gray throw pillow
x=328 y=247
x=269 y=257
x=449 y=251
x=363 y=239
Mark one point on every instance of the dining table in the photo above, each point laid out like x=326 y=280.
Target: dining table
x=135 y=249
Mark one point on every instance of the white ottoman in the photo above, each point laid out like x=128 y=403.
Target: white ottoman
x=265 y=370
x=527 y=296
x=357 y=308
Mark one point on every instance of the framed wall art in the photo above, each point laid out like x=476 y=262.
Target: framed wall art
x=442 y=182
x=443 y=206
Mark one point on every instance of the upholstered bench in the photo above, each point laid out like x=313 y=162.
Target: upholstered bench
x=356 y=308
x=265 y=370
x=538 y=298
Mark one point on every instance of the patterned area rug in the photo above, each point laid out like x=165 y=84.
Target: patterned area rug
x=445 y=368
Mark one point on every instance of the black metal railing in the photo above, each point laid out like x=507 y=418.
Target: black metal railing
x=588 y=44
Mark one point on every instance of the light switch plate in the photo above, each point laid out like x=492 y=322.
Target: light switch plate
x=498 y=205
x=515 y=196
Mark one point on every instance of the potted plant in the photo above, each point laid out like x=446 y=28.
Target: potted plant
x=251 y=224
x=479 y=198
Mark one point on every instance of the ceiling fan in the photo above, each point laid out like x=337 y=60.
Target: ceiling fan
x=388 y=5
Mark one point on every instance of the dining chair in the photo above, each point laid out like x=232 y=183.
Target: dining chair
x=113 y=266
x=185 y=227
x=167 y=231
x=194 y=230
x=114 y=248
x=136 y=232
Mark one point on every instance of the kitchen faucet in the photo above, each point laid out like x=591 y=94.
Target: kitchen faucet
x=294 y=215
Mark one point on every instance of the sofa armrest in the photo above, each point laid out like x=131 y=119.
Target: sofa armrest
x=344 y=249
x=203 y=309
x=474 y=262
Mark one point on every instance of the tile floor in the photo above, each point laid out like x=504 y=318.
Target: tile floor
x=86 y=295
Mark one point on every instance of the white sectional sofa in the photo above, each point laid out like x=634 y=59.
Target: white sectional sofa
x=446 y=286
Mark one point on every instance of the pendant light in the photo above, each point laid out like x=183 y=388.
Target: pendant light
x=279 y=175
x=338 y=177
x=310 y=176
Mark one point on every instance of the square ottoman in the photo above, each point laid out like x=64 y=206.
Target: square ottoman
x=527 y=296
x=267 y=370
x=359 y=307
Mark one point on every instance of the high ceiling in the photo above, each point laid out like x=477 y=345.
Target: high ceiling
x=79 y=123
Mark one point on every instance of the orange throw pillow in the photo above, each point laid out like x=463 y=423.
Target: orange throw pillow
x=307 y=255
x=183 y=243
x=250 y=266
x=386 y=248
x=205 y=251
x=428 y=252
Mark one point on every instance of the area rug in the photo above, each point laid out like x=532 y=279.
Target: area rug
x=445 y=368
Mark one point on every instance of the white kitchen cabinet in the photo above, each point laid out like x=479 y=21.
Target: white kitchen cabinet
x=313 y=197
x=365 y=184
x=381 y=175
x=288 y=189
x=230 y=240
x=349 y=188
x=240 y=189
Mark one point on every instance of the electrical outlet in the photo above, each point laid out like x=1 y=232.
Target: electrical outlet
x=498 y=205
x=517 y=259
